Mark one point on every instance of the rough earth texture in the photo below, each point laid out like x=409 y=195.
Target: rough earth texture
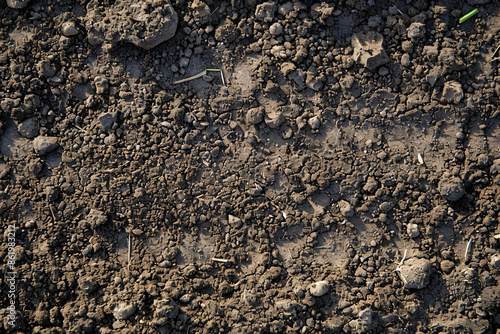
x=340 y=175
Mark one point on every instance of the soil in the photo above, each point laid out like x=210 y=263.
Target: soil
x=340 y=173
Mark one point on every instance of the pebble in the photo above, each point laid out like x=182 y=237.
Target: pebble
x=17 y=4
x=255 y=115
x=124 y=311
x=276 y=29
x=412 y=230
x=416 y=30
x=447 y=266
x=346 y=209
x=69 y=29
x=495 y=261
x=44 y=145
x=319 y=289
x=314 y=122
x=101 y=85
x=107 y=119
x=29 y=128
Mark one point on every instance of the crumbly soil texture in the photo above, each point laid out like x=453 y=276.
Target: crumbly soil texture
x=339 y=172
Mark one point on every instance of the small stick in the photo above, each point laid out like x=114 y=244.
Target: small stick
x=199 y=75
x=400 y=12
x=494 y=53
x=129 y=248
x=219 y=260
x=467 y=249
x=402 y=277
x=222 y=76
x=468 y=15
x=52 y=212
x=403 y=259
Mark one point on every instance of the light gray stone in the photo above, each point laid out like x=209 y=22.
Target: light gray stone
x=123 y=311
x=415 y=273
x=368 y=50
x=319 y=289
x=44 y=145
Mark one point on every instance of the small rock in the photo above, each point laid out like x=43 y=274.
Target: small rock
x=452 y=189
x=368 y=50
x=44 y=145
x=416 y=273
x=452 y=92
x=274 y=119
x=17 y=4
x=495 y=261
x=276 y=29
x=412 y=230
x=314 y=122
x=447 y=266
x=319 y=289
x=29 y=128
x=46 y=69
x=255 y=115
x=234 y=221
x=405 y=60
x=107 y=119
x=386 y=206
x=124 y=311
x=265 y=11
x=495 y=167
x=346 y=209
x=101 y=85
x=416 y=30
x=164 y=310
x=69 y=29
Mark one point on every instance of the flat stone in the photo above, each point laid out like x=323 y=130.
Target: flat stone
x=416 y=273
x=145 y=24
x=44 y=145
x=69 y=29
x=29 y=128
x=368 y=50
x=106 y=120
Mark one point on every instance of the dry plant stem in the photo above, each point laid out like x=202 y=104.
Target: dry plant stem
x=52 y=212
x=403 y=259
x=467 y=249
x=196 y=76
x=219 y=260
x=129 y=248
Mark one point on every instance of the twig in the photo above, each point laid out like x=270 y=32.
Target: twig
x=403 y=259
x=219 y=260
x=129 y=248
x=199 y=75
x=493 y=58
x=467 y=249
x=401 y=275
x=52 y=212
